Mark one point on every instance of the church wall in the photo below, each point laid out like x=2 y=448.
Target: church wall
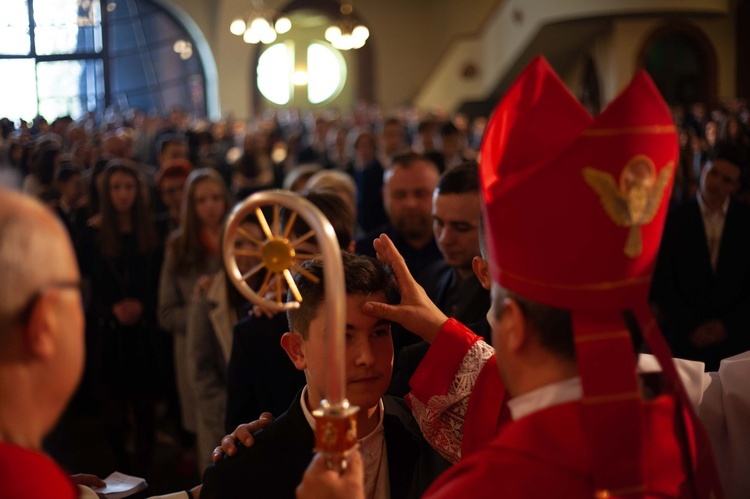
x=410 y=38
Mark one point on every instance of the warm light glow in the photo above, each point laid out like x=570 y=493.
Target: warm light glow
x=238 y=27
x=299 y=78
x=333 y=33
x=251 y=36
x=283 y=25
x=361 y=33
x=345 y=42
x=268 y=36
x=274 y=73
x=259 y=24
x=326 y=70
x=184 y=49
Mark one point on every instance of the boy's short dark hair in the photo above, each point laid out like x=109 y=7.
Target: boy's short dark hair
x=460 y=179
x=363 y=275
x=408 y=159
x=729 y=152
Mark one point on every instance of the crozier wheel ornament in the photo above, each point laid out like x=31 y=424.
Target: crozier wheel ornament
x=336 y=432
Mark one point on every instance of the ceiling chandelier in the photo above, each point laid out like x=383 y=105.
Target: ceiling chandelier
x=260 y=24
x=347 y=33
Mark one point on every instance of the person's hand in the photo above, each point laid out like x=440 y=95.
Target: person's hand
x=90 y=481
x=416 y=312
x=243 y=433
x=202 y=285
x=708 y=334
x=95 y=221
x=87 y=480
x=127 y=311
x=272 y=295
x=259 y=311
x=319 y=482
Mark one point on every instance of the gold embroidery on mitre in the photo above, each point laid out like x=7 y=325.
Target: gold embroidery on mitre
x=635 y=201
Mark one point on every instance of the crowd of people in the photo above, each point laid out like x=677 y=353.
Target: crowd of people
x=143 y=200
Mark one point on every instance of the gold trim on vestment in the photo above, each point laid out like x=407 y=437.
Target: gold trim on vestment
x=596 y=286
x=631 y=130
x=607 y=493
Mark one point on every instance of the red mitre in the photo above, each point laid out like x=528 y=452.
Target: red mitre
x=575 y=206
x=574 y=209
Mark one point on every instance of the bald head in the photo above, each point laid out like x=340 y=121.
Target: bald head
x=41 y=321
x=34 y=250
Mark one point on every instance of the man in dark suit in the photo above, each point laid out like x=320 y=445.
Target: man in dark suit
x=397 y=461
x=701 y=285
x=367 y=172
x=459 y=284
x=407 y=196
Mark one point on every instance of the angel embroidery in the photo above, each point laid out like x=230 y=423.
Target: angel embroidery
x=635 y=201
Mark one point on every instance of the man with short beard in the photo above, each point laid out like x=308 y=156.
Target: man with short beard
x=407 y=197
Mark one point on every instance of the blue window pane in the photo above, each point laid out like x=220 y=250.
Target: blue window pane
x=152 y=63
x=121 y=37
x=140 y=100
x=130 y=73
x=170 y=64
x=117 y=11
x=160 y=27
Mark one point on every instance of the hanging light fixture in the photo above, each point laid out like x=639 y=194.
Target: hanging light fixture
x=347 y=33
x=260 y=24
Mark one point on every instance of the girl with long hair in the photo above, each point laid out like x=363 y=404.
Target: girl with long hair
x=192 y=252
x=209 y=335
x=122 y=264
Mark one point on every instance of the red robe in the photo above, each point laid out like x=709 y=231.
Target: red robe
x=544 y=454
x=25 y=474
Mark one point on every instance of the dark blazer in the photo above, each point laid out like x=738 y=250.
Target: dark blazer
x=466 y=301
x=687 y=292
x=274 y=466
x=260 y=376
x=370 y=211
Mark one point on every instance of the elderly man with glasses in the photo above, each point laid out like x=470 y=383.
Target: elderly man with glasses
x=41 y=344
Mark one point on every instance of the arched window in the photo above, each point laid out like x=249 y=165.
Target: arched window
x=70 y=57
x=314 y=57
x=314 y=74
x=682 y=63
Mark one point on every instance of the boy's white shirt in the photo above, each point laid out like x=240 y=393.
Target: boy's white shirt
x=373 y=450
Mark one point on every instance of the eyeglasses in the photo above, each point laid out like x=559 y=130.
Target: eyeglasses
x=25 y=314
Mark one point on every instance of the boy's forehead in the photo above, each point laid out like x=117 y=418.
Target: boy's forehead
x=354 y=313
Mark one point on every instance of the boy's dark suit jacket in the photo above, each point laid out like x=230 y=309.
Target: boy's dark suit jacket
x=260 y=376
x=274 y=466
